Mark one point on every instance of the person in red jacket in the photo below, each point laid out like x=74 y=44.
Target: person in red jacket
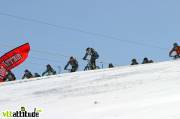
x=175 y=50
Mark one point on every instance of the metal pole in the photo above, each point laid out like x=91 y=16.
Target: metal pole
x=59 y=67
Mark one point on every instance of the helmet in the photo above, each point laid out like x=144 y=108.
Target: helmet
x=175 y=44
x=88 y=48
x=145 y=58
x=71 y=57
x=133 y=60
x=26 y=70
x=48 y=65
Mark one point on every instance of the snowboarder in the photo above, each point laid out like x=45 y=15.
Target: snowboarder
x=10 y=76
x=49 y=71
x=93 y=56
x=134 y=62
x=74 y=64
x=176 y=50
x=27 y=74
x=36 y=75
x=110 y=65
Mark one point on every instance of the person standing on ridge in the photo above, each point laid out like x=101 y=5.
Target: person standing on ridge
x=10 y=76
x=176 y=50
x=93 y=56
x=74 y=64
x=49 y=71
x=27 y=74
x=110 y=65
x=134 y=62
x=145 y=60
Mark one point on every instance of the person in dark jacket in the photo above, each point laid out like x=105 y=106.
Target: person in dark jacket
x=27 y=74
x=175 y=49
x=111 y=65
x=49 y=71
x=74 y=64
x=10 y=76
x=36 y=75
x=134 y=62
x=145 y=60
x=93 y=56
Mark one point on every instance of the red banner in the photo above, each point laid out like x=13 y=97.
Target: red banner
x=13 y=58
x=3 y=72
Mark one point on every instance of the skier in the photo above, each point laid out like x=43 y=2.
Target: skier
x=110 y=65
x=36 y=75
x=49 y=71
x=93 y=56
x=175 y=49
x=10 y=76
x=134 y=62
x=74 y=64
x=27 y=74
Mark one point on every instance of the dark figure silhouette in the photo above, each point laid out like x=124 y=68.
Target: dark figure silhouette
x=93 y=56
x=10 y=76
x=145 y=60
x=134 y=62
x=27 y=74
x=176 y=50
x=111 y=65
x=49 y=71
x=74 y=64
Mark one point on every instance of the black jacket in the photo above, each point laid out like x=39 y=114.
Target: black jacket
x=73 y=63
x=27 y=75
x=49 y=71
x=10 y=76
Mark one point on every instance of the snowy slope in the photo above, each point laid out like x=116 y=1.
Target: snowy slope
x=150 y=91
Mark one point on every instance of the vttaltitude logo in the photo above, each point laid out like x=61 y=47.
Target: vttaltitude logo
x=22 y=113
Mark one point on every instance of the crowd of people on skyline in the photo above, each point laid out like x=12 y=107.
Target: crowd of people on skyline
x=92 y=53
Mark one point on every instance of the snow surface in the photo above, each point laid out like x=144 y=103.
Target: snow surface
x=150 y=91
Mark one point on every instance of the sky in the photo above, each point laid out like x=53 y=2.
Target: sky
x=119 y=30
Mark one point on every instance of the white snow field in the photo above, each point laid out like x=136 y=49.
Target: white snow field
x=149 y=91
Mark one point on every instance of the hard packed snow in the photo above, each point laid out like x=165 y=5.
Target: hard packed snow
x=148 y=91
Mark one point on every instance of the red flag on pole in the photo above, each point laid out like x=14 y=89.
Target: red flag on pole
x=13 y=58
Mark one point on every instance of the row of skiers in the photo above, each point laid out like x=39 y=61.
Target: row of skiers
x=93 y=55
